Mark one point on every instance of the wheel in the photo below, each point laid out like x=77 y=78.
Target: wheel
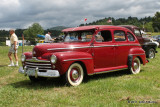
x=135 y=68
x=74 y=75
x=151 y=53
x=33 y=79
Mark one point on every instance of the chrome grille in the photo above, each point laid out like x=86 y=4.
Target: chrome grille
x=41 y=65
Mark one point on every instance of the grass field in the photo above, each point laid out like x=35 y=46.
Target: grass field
x=117 y=89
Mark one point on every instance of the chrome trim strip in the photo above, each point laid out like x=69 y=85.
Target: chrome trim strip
x=104 y=46
x=69 y=48
x=92 y=47
x=35 y=63
x=129 y=45
x=34 y=59
x=38 y=66
x=108 y=71
x=138 y=54
x=77 y=59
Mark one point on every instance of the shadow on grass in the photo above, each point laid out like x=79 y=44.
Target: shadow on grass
x=50 y=83
x=3 y=65
x=107 y=75
x=57 y=82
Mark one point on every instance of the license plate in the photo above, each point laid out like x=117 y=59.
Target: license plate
x=31 y=71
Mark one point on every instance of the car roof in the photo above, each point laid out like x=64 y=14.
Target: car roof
x=81 y=28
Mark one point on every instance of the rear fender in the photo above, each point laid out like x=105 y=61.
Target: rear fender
x=140 y=53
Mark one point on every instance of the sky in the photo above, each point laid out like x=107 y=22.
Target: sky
x=71 y=13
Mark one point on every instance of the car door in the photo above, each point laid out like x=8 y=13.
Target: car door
x=104 y=52
x=121 y=48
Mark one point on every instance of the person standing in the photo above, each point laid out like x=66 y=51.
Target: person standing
x=48 y=38
x=13 y=48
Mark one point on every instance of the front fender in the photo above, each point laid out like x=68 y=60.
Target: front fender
x=65 y=59
x=146 y=46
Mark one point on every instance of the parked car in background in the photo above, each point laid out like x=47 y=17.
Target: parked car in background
x=148 y=46
x=156 y=38
x=86 y=50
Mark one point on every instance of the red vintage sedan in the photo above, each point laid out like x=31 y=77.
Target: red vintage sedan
x=86 y=50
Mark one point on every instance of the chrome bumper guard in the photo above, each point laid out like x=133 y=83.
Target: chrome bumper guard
x=35 y=72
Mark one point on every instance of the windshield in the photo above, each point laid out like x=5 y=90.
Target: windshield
x=79 y=36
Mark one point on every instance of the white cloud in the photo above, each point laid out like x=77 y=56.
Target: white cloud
x=49 y=13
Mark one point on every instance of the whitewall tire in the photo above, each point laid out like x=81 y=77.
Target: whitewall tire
x=135 y=68
x=74 y=75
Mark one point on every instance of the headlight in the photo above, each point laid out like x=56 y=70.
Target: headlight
x=53 y=59
x=23 y=58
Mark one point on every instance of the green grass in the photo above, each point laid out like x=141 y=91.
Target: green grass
x=110 y=90
x=153 y=33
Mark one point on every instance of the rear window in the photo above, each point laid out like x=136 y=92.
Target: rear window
x=130 y=37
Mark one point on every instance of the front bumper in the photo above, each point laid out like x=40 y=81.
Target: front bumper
x=35 y=72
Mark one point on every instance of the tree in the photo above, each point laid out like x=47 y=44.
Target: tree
x=148 y=27
x=156 y=22
x=32 y=31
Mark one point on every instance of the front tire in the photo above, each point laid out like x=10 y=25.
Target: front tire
x=75 y=74
x=135 y=68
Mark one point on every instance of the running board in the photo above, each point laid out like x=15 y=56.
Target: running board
x=108 y=71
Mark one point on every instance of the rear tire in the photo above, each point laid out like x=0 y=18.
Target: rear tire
x=75 y=74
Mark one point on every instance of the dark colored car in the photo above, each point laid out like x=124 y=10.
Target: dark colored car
x=156 y=38
x=148 y=46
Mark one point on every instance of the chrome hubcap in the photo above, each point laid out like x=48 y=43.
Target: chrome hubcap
x=135 y=66
x=75 y=74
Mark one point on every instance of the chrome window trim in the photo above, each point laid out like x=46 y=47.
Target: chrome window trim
x=77 y=59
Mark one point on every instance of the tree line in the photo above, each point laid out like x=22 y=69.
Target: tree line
x=149 y=24
x=29 y=34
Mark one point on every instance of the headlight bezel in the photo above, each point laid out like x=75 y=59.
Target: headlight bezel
x=23 y=58
x=53 y=59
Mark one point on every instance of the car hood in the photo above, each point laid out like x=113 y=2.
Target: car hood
x=39 y=50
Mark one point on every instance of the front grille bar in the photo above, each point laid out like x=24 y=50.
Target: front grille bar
x=28 y=63
x=38 y=66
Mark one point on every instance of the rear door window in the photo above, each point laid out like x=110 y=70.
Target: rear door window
x=119 y=35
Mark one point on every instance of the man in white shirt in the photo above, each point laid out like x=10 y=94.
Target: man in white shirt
x=48 y=38
x=13 y=48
